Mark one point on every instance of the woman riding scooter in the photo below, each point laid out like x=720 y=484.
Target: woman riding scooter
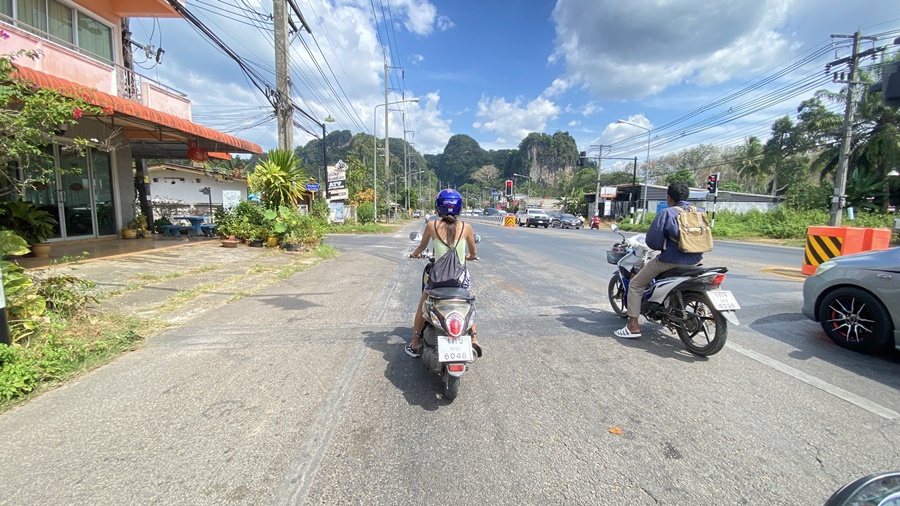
x=444 y=232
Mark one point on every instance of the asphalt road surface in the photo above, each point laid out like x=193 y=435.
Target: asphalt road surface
x=301 y=394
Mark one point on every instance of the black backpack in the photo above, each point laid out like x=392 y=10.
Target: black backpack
x=447 y=271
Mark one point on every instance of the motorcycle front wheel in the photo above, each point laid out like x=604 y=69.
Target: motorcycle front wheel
x=705 y=331
x=616 y=294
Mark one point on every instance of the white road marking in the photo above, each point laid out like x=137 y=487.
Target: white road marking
x=824 y=386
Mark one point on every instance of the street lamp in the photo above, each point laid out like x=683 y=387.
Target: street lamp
x=529 y=183
x=647 y=167
x=375 y=149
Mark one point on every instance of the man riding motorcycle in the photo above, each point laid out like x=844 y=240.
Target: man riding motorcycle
x=662 y=235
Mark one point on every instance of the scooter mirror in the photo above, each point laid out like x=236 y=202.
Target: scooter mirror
x=879 y=488
x=614 y=227
x=415 y=236
x=477 y=238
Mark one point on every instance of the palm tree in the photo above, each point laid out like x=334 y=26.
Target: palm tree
x=750 y=162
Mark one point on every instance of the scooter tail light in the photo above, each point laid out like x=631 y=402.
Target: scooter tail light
x=455 y=324
x=716 y=283
x=456 y=368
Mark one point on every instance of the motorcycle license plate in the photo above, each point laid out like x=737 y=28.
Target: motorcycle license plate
x=454 y=349
x=723 y=300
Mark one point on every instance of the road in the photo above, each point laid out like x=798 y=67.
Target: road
x=301 y=394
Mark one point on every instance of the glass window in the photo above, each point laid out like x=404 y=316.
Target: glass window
x=32 y=13
x=94 y=37
x=61 y=22
x=6 y=7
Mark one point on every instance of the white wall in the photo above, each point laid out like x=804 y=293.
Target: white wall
x=189 y=190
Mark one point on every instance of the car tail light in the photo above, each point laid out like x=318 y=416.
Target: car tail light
x=456 y=368
x=455 y=324
x=716 y=283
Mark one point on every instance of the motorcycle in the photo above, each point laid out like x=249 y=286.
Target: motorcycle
x=446 y=341
x=687 y=300
x=595 y=222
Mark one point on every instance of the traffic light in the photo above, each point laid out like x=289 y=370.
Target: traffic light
x=509 y=188
x=712 y=183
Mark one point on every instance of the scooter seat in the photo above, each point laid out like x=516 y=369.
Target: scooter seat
x=450 y=293
x=689 y=270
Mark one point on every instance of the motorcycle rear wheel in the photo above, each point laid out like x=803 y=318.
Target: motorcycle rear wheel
x=707 y=334
x=616 y=294
x=451 y=386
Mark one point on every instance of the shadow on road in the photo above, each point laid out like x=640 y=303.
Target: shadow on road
x=811 y=342
x=654 y=339
x=409 y=375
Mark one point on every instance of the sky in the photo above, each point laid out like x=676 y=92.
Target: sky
x=689 y=71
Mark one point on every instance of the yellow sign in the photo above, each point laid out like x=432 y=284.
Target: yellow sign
x=820 y=249
x=509 y=221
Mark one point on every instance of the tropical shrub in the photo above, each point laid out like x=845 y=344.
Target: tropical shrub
x=365 y=213
x=279 y=179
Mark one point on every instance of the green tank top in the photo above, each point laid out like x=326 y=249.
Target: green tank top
x=441 y=248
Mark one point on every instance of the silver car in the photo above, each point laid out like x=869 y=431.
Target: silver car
x=856 y=298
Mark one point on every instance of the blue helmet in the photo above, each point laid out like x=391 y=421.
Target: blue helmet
x=449 y=202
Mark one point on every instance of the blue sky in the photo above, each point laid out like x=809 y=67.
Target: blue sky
x=496 y=70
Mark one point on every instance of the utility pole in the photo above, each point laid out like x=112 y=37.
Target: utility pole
x=283 y=108
x=597 y=194
x=387 y=161
x=840 y=178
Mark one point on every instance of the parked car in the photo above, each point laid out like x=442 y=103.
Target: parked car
x=494 y=212
x=855 y=297
x=564 y=220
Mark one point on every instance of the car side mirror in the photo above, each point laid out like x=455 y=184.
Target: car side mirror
x=415 y=236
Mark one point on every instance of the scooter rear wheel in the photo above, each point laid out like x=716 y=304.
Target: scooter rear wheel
x=451 y=386
x=706 y=330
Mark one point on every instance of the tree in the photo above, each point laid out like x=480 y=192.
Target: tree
x=749 y=163
x=486 y=174
x=29 y=118
x=681 y=176
x=780 y=145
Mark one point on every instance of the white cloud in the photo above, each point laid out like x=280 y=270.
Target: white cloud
x=417 y=58
x=574 y=123
x=444 y=23
x=514 y=119
x=616 y=132
x=634 y=49
x=432 y=130
x=557 y=87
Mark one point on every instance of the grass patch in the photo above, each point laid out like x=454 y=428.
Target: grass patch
x=354 y=228
x=63 y=349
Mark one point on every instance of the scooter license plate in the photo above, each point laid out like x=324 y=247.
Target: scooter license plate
x=723 y=300
x=454 y=349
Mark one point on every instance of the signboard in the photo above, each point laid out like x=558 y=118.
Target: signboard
x=495 y=193
x=336 y=212
x=313 y=187
x=607 y=192
x=337 y=180
x=230 y=199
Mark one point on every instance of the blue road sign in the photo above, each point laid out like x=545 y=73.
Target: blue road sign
x=313 y=187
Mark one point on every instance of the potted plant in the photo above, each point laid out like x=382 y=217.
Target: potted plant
x=276 y=225
x=30 y=223
x=130 y=231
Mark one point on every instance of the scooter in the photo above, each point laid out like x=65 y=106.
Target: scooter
x=595 y=222
x=446 y=341
x=687 y=300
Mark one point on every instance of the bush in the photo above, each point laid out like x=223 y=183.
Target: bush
x=365 y=213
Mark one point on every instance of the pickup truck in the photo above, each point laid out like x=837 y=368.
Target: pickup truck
x=532 y=218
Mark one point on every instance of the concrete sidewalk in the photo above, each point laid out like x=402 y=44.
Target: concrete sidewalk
x=175 y=282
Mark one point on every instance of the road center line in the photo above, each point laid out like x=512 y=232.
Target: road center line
x=824 y=386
